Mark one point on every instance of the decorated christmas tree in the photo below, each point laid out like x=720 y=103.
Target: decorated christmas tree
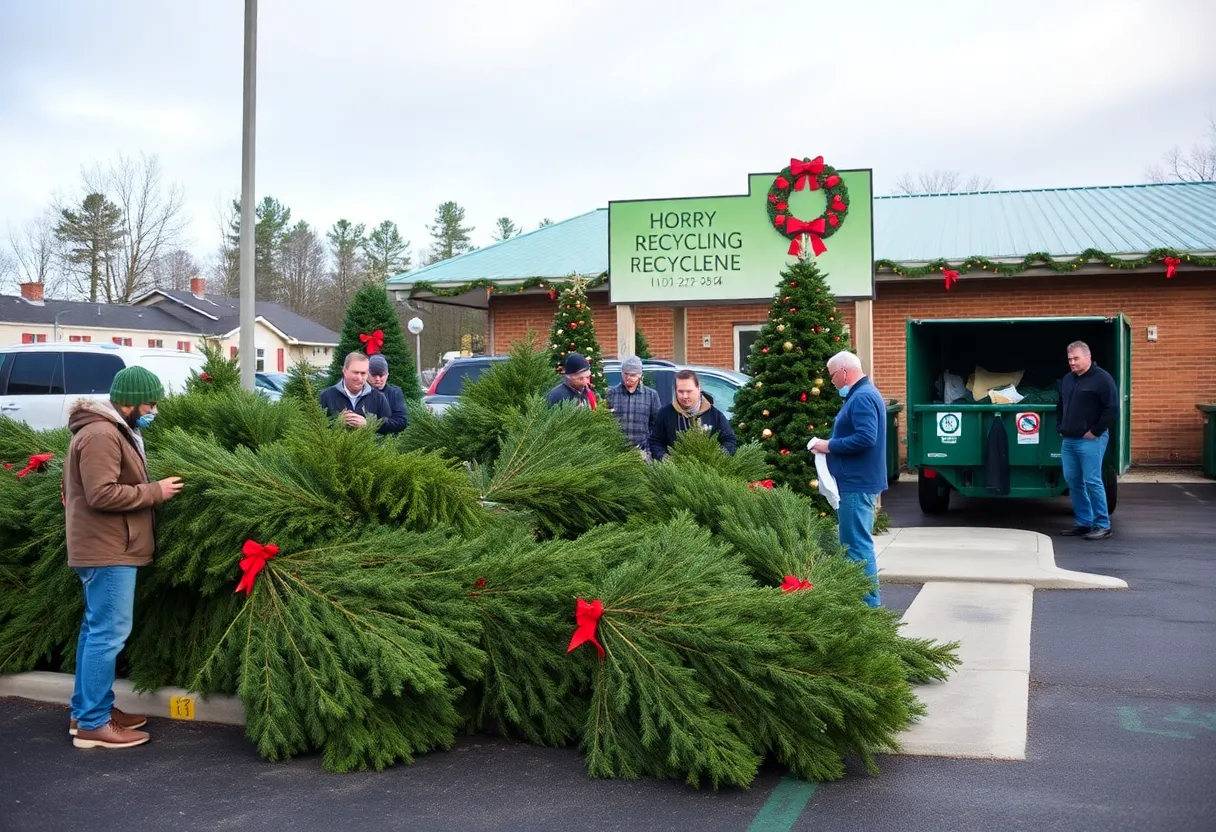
x=791 y=398
x=220 y=373
x=574 y=331
x=372 y=326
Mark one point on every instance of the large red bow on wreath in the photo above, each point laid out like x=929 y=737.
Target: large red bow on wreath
x=1171 y=266
x=792 y=584
x=373 y=342
x=35 y=464
x=806 y=173
x=587 y=616
x=255 y=559
x=814 y=228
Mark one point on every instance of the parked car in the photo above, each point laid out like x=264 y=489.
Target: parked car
x=39 y=383
x=271 y=385
x=720 y=384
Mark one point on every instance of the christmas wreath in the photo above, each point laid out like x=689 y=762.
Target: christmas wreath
x=812 y=174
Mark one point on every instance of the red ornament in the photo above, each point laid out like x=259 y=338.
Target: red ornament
x=255 y=559
x=833 y=220
x=1171 y=266
x=951 y=277
x=785 y=451
x=816 y=330
x=802 y=397
x=838 y=204
x=374 y=342
x=760 y=484
x=35 y=465
x=792 y=584
x=552 y=294
x=772 y=198
x=205 y=377
x=793 y=309
x=793 y=284
x=781 y=182
x=587 y=616
x=835 y=337
x=574 y=326
x=7 y=466
x=779 y=220
x=832 y=181
x=781 y=206
x=764 y=350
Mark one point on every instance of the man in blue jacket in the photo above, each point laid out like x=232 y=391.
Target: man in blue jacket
x=1087 y=410
x=857 y=456
x=353 y=399
x=377 y=376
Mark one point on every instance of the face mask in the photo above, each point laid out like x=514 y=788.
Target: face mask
x=144 y=421
x=844 y=391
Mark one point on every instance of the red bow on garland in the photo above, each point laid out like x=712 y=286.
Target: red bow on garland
x=793 y=584
x=816 y=227
x=951 y=277
x=1171 y=266
x=255 y=559
x=806 y=173
x=374 y=342
x=35 y=464
x=760 y=484
x=587 y=616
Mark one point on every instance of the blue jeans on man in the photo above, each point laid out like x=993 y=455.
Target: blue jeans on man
x=1082 y=459
x=855 y=519
x=109 y=604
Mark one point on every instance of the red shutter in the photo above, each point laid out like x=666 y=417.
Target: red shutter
x=282 y=360
x=86 y=338
x=152 y=343
x=27 y=338
x=233 y=351
x=117 y=341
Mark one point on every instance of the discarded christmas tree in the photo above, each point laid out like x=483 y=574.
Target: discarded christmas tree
x=574 y=331
x=371 y=326
x=790 y=398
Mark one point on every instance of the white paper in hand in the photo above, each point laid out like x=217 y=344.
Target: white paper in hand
x=827 y=483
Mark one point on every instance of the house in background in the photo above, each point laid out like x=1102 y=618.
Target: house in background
x=168 y=320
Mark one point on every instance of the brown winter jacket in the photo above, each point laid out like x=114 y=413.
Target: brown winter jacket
x=106 y=493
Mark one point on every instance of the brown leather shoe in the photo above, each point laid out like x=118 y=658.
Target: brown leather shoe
x=110 y=735
x=123 y=720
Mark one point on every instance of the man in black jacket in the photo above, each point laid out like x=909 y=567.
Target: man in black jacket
x=692 y=409
x=377 y=376
x=1088 y=408
x=575 y=385
x=353 y=398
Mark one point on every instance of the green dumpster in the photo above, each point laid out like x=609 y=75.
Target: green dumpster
x=1209 y=439
x=948 y=441
x=893 y=411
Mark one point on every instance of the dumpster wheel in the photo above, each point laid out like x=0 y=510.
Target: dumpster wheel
x=1110 y=482
x=933 y=493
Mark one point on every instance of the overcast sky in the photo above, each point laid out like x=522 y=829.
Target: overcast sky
x=381 y=109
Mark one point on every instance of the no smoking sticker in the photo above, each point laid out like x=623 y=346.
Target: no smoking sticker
x=949 y=427
x=1028 y=428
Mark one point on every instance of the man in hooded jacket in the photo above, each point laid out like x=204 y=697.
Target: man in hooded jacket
x=692 y=409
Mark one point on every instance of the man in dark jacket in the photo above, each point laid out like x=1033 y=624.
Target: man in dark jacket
x=111 y=531
x=575 y=385
x=1088 y=408
x=353 y=398
x=692 y=409
x=377 y=376
x=857 y=459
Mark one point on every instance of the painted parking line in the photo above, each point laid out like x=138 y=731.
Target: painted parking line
x=783 y=807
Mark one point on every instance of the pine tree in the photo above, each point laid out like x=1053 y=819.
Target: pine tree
x=573 y=330
x=90 y=236
x=504 y=229
x=450 y=234
x=219 y=374
x=791 y=399
x=386 y=251
x=640 y=345
x=370 y=311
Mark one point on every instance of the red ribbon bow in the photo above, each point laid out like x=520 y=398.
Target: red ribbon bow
x=815 y=228
x=951 y=277
x=1171 y=266
x=587 y=616
x=255 y=559
x=35 y=464
x=760 y=484
x=792 y=584
x=806 y=173
x=205 y=377
x=374 y=342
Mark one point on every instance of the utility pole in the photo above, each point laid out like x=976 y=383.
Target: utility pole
x=247 y=348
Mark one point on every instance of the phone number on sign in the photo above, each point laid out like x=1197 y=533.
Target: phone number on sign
x=687 y=282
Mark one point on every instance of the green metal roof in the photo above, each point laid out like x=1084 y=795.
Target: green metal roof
x=1122 y=219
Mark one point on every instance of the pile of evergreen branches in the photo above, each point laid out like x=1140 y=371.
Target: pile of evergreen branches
x=427 y=585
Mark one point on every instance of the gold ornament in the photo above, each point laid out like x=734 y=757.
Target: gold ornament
x=813 y=483
x=787 y=346
x=814 y=391
x=561 y=332
x=766 y=433
x=823 y=514
x=765 y=413
x=818 y=382
x=759 y=384
x=781 y=327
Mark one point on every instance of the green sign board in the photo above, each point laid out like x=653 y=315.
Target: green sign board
x=692 y=250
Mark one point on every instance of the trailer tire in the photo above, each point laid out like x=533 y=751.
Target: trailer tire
x=933 y=493
x=1110 y=482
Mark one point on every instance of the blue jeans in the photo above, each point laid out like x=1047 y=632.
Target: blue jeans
x=1082 y=460
x=109 y=605
x=855 y=520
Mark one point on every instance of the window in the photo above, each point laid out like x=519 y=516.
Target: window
x=122 y=342
x=33 y=338
x=721 y=391
x=453 y=380
x=156 y=343
x=36 y=374
x=745 y=336
x=80 y=339
x=184 y=346
x=88 y=373
x=260 y=358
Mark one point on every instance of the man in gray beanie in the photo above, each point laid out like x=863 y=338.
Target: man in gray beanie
x=634 y=404
x=377 y=376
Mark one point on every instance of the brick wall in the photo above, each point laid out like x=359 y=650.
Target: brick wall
x=1169 y=376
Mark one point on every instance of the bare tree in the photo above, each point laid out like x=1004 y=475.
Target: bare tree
x=226 y=267
x=153 y=219
x=304 y=282
x=1195 y=165
x=8 y=270
x=174 y=270
x=36 y=252
x=940 y=182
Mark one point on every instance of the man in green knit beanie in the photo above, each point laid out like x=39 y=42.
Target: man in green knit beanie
x=111 y=531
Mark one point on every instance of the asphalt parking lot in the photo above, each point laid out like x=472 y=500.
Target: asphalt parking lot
x=1122 y=731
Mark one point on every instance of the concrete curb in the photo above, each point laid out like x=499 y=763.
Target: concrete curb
x=170 y=703
x=1131 y=477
